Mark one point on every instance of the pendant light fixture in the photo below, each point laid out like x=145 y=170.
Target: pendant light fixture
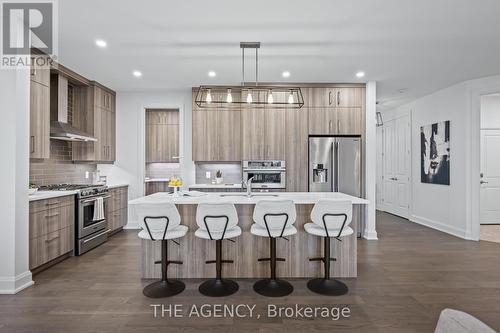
x=290 y=97
x=209 y=96
x=270 y=98
x=250 y=94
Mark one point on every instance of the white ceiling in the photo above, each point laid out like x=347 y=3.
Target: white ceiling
x=420 y=46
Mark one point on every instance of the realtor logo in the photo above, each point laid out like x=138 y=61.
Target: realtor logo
x=26 y=26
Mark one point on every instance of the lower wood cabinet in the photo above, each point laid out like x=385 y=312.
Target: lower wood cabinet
x=51 y=230
x=155 y=187
x=117 y=208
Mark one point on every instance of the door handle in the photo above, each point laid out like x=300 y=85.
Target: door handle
x=483 y=182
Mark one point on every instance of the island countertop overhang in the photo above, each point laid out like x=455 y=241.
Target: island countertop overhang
x=299 y=198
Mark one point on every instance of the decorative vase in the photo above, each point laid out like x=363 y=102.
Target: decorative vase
x=176 y=191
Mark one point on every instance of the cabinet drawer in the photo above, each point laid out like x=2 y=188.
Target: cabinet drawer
x=44 y=222
x=117 y=219
x=50 y=246
x=119 y=198
x=41 y=205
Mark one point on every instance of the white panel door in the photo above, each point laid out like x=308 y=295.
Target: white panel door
x=388 y=187
x=490 y=177
x=396 y=165
x=402 y=168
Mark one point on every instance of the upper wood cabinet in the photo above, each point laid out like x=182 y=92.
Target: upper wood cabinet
x=263 y=134
x=216 y=135
x=331 y=121
x=94 y=113
x=296 y=149
x=162 y=136
x=40 y=113
x=333 y=97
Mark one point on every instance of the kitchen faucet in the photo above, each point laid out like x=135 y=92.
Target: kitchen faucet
x=248 y=184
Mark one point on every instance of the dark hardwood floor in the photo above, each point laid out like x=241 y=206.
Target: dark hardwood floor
x=405 y=280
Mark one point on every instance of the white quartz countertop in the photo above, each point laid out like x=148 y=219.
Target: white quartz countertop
x=238 y=185
x=42 y=195
x=116 y=185
x=152 y=180
x=303 y=198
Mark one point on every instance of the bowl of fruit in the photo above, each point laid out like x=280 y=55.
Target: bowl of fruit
x=175 y=183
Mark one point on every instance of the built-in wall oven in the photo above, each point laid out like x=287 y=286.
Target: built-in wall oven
x=266 y=174
x=91 y=231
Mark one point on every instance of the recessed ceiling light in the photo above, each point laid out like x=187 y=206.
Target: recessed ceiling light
x=137 y=73
x=285 y=74
x=360 y=74
x=101 y=43
x=212 y=74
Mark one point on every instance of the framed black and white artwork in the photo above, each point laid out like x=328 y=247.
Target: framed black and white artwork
x=435 y=153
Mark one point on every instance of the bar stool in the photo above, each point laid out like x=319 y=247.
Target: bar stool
x=160 y=221
x=330 y=219
x=273 y=219
x=217 y=221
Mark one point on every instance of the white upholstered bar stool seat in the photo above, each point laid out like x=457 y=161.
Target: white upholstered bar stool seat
x=160 y=221
x=330 y=219
x=273 y=219
x=217 y=221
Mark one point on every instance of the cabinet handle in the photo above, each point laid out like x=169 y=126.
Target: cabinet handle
x=52 y=203
x=32 y=144
x=33 y=72
x=329 y=98
x=52 y=215
x=53 y=238
x=338 y=97
x=330 y=126
x=338 y=126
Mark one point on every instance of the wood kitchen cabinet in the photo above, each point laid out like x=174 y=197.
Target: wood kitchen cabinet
x=117 y=208
x=40 y=113
x=333 y=121
x=263 y=134
x=296 y=150
x=51 y=231
x=327 y=97
x=162 y=136
x=96 y=115
x=216 y=135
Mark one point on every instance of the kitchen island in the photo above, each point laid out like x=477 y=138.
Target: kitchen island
x=248 y=248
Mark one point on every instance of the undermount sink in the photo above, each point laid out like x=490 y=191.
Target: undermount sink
x=245 y=195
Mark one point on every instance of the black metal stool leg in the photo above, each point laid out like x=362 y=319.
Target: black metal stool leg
x=327 y=286
x=164 y=287
x=218 y=287
x=273 y=287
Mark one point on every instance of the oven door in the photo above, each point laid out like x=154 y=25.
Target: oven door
x=275 y=178
x=86 y=223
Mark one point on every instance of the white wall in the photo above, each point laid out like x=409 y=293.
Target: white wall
x=130 y=136
x=14 y=177
x=453 y=209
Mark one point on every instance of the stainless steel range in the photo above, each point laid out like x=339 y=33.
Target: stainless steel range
x=89 y=231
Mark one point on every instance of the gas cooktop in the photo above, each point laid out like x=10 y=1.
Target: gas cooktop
x=65 y=187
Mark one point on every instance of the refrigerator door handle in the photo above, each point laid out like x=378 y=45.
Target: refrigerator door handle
x=335 y=154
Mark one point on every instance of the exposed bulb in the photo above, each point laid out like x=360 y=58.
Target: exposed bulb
x=290 y=97
x=209 y=97
x=229 y=97
x=249 y=97
x=270 y=98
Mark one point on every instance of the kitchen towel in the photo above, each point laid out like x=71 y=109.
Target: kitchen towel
x=99 y=209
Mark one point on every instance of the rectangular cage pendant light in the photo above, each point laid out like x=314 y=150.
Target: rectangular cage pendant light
x=252 y=95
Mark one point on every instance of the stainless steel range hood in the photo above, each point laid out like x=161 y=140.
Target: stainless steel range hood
x=59 y=127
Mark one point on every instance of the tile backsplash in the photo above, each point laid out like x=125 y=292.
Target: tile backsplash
x=59 y=168
x=231 y=172
x=162 y=170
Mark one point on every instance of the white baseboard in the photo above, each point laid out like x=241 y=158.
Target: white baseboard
x=439 y=226
x=13 y=285
x=370 y=235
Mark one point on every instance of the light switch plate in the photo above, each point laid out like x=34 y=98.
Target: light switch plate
x=87 y=175
x=208 y=175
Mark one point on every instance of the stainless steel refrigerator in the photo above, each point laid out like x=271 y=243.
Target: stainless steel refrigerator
x=335 y=164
